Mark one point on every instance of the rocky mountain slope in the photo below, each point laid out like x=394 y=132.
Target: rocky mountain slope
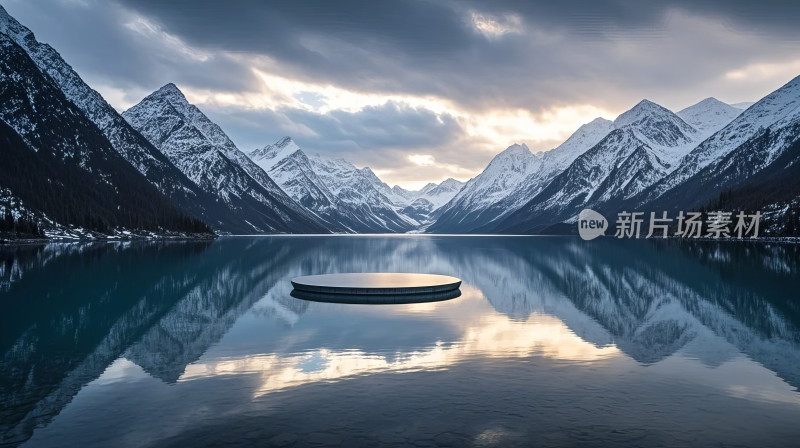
x=60 y=164
x=200 y=149
x=512 y=178
x=134 y=148
x=646 y=144
x=352 y=199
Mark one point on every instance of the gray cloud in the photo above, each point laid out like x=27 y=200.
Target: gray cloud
x=608 y=53
x=97 y=39
x=378 y=136
x=423 y=47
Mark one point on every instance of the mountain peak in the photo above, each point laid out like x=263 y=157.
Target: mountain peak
x=658 y=126
x=709 y=115
x=516 y=148
x=11 y=27
x=588 y=135
x=711 y=101
x=284 y=142
x=428 y=187
x=448 y=184
x=451 y=181
x=516 y=157
x=285 y=146
x=170 y=91
x=369 y=173
x=593 y=130
x=270 y=155
x=599 y=121
x=642 y=110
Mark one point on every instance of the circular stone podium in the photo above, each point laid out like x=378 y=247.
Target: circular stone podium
x=376 y=287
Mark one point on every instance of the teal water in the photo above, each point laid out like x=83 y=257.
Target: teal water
x=554 y=341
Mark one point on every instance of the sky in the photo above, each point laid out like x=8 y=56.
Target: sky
x=420 y=90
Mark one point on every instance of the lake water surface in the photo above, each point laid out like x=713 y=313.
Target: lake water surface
x=554 y=341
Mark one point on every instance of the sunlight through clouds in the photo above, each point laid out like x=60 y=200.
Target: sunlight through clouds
x=498 y=128
x=422 y=159
x=495 y=27
x=765 y=72
x=483 y=76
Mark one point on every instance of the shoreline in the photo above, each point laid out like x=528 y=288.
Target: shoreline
x=5 y=241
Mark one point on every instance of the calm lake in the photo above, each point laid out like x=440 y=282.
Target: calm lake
x=554 y=341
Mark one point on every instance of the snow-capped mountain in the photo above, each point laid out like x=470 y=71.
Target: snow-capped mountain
x=134 y=148
x=405 y=195
x=512 y=178
x=291 y=169
x=588 y=135
x=441 y=193
x=668 y=136
x=200 y=149
x=56 y=161
x=710 y=115
x=425 y=203
x=646 y=144
x=57 y=131
x=505 y=174
x=351 y=199
x=763 y=156
x=776 y=111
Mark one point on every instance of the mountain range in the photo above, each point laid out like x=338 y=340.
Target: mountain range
x=73 y=167
x=352 y=199
x=203 y=153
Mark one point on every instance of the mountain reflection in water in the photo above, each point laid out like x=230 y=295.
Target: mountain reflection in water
x=625 y=342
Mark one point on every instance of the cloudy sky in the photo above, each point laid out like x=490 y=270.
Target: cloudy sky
x=421 y=90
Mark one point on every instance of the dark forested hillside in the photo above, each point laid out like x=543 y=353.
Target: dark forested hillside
x=58 y=162
x=775 y=190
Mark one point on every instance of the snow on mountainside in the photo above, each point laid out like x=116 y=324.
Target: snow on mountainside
x=743 y=105
x=404 y=194
x=59 y=163
x=668 y=136
x=553 y=163
x=200 y=149
x=378 y=184
x=291 y=169
x=435 y=194
x=134 y=148
x=269 y=155
x=782 y=105
x=645 y=145
x=585 y=137
x=424 y=204
x=760 y=173
x=504 y=174
x=512 y=178
x=709 y=116
x=351 y=199
x=441 y=194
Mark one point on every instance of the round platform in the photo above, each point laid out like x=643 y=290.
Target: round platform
x=376 y=283
x=376 y=299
